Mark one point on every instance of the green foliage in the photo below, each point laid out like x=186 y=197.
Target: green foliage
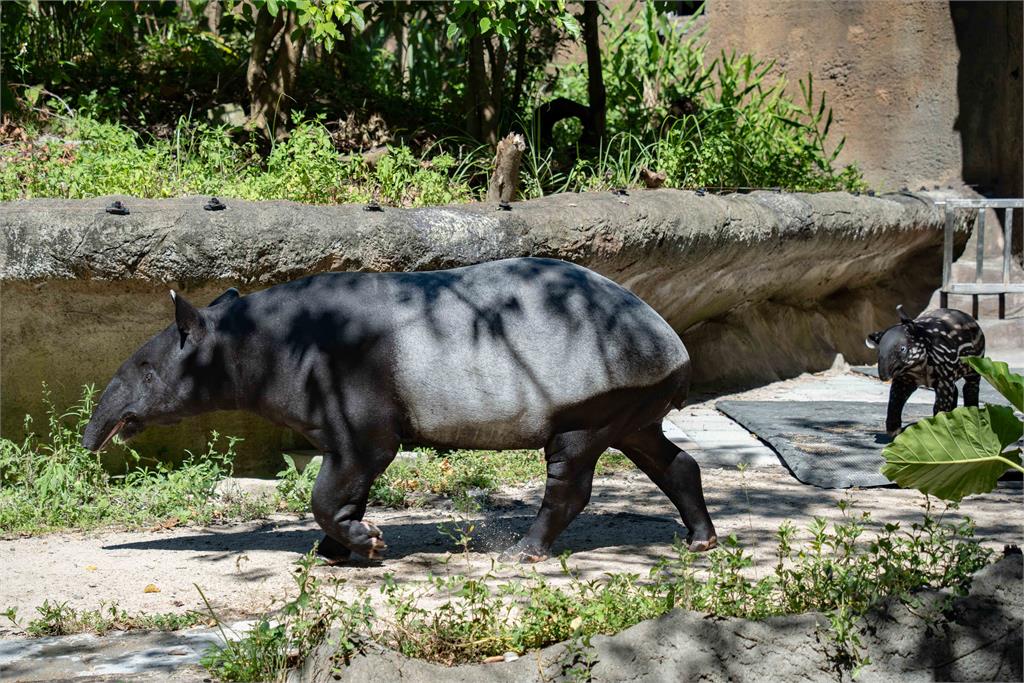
x=961 y=452
x=52 y=482
x=649 y=62
x=726 y=122
x=464 y=476
x=955 y=454
x=322 y=19
x=507 y=18
x=748 y=134
x=997 y=373
x=58 y=619
x=273 y=645
x=843 y=571
x=91 y=158
x=720 y=124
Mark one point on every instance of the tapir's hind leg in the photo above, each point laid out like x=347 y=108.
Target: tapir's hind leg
x=571 y=457
x=340 y=495
x=678 y=475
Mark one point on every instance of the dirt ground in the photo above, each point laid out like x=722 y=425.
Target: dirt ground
x=245 y=569
x=628 y=526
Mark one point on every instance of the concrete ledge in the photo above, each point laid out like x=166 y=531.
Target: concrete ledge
x=760 y=286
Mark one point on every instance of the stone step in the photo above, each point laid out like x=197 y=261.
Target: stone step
x=1003 y=336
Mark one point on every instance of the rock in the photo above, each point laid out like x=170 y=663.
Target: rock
x=228 y=114
x=236 y=487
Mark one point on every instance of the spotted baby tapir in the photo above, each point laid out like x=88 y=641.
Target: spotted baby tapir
x=925 y=352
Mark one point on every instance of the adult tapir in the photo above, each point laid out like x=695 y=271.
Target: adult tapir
x=518 y=353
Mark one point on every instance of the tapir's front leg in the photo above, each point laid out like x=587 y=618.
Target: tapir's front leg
x=340 y=495
x=972 y=389
x=945 y=396
x=899 y=392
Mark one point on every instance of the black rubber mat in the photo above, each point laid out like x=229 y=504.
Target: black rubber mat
x=986 y=395
x=831 y=444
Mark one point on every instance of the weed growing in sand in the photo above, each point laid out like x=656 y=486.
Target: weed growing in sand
x=842 y=571
x=51 y=482
x=284 y=639
x=58 y=619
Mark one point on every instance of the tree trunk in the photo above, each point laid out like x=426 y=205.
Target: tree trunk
x=271 y=84
x=256 y=72
x=476 y=87
x=520 y=77
x=505 y=180
x=491 y=113
x=595 y=79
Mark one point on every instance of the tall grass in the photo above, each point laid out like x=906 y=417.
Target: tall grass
x=50 y=481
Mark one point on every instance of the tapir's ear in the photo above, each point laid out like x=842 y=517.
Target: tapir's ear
x=229 y=295
x=873 y=339
x=904 y=318
x=190 y=321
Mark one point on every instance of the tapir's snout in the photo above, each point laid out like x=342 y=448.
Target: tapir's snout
x=884 y=371
x=109 y=418
x=100 y=431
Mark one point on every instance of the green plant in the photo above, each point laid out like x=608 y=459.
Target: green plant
x=963 y=451
x=52 y=482
x=295 y=488
x=274 y=644
x=58 y=619
x=844 y=570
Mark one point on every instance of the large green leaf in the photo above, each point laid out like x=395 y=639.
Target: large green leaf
x=997 y=373
x=954 y=454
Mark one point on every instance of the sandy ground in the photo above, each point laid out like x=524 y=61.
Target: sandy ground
x=245 y=569
x=628 y=526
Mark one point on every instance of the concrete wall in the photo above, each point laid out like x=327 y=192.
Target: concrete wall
x=759 y=286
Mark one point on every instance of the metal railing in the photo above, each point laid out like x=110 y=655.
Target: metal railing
x=978 y=287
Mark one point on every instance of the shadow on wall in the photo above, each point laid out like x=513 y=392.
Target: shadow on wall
x=990 y=123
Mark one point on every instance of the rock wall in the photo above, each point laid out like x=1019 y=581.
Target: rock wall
x=759 y=286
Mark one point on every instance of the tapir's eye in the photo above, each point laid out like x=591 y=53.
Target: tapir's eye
x=148 y=377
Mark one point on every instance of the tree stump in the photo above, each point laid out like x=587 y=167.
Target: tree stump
x=505 y=181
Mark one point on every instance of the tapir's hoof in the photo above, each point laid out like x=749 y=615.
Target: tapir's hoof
x=523 y=554
x=332 y=553
x=377 y=549
x=703 y=545
x=369 y=536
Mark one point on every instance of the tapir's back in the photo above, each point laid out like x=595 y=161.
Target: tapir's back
x=480 y=356
x=486 y=355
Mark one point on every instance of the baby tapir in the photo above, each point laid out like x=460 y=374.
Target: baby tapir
x=926 y=352
x=519 y=353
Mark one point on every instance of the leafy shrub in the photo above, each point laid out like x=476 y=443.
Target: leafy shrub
x=720 y=124
x=87 y=158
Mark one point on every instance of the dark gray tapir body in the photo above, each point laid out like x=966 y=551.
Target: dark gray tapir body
x=926 y=352
x=520 y=353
